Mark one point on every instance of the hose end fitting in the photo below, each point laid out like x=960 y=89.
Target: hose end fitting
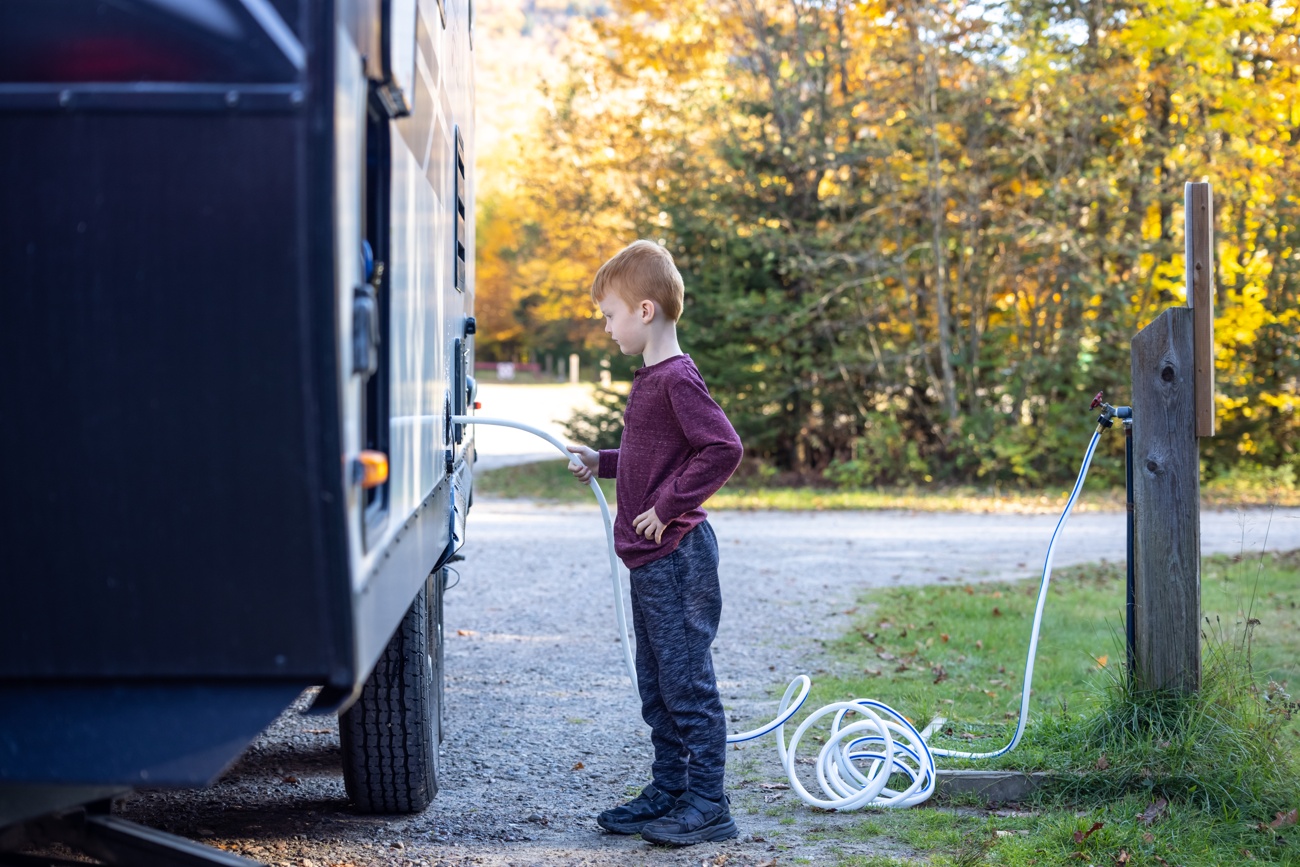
x=1110 y=413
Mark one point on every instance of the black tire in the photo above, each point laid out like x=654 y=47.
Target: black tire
x=390 y=735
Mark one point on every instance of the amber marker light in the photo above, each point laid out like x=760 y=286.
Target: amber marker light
x=371 y=469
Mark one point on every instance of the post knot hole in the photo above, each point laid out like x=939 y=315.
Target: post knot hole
x=1153 y=467
x=1167 y=373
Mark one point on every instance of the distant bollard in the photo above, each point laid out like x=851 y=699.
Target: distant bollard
x=605 y=378
x=573 y=367
x=505 y=371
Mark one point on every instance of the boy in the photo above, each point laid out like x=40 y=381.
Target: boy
x=677 y=450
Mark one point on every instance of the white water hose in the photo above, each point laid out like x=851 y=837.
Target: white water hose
x=860 y=755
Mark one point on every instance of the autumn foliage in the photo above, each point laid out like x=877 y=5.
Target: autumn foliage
x=918 y=236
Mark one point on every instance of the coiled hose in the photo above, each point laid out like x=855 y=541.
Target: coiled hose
x=869 y=741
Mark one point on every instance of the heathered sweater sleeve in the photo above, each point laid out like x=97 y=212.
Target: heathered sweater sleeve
x=608 y=466
x=717 y=450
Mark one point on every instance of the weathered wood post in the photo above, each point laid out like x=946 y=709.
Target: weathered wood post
x=1173 y=405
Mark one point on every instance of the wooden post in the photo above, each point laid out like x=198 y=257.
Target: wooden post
x=1173 y=405
x=1166 y=506
x=1198 y=218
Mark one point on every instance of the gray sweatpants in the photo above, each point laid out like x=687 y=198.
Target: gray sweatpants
x=676 y=603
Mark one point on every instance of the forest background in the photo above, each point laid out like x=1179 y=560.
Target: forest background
x=917 y=237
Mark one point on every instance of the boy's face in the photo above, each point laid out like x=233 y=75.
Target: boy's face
x=628 y=325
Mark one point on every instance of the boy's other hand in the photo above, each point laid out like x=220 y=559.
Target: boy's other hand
x=590 y=461
x=648 y=524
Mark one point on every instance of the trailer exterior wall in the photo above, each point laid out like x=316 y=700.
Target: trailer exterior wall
x=182 y=544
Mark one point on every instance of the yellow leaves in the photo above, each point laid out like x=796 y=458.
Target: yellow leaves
x=1279 y=402
x=828 y=187
x=1152 y=226
x=1243 y=310
x=1171 y=277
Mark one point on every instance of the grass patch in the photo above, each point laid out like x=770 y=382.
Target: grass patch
x=1148 y=779
x=551 y=481
x=540 y=480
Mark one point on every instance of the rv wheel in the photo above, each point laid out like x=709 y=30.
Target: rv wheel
x=390 y=734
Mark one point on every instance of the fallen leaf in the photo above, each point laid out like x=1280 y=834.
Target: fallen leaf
x=1285 y=820
x=979 y=644
x=997 y=612
x=940 y=675
x=771 y=862
x=467 y=633
x=1122 y=857
x=290 y=779
x=319 y=731
x=773 y=786
x=579 y=766
x=720 y=860
x=1101 y=660
x=1147 y=838
x=1080 y=836
x=969 y=589
x=886 y=655
x=943 y=636
x=874 y=672
x=1152 y=813
x=1103 y=763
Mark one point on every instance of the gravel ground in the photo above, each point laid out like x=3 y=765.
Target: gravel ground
x=542 y=728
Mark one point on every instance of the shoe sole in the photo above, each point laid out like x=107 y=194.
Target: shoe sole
x=616 y=828
x=711 y=834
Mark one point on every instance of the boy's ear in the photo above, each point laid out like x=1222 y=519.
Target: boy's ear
x=646 y=310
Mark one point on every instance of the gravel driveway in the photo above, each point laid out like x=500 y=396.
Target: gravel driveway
x=543 y=730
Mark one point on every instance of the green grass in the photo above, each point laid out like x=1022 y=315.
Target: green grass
x=540 y=480
x=972 y=638
x=1225 y=762
x=550 y=481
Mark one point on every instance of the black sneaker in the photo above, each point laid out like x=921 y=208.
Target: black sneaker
x=631 y=817
x=692 y=820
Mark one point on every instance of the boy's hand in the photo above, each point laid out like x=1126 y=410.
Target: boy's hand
x=590 y=461
x=648 y=524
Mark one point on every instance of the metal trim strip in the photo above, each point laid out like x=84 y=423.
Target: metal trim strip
x=274 y=26
x=163 y=97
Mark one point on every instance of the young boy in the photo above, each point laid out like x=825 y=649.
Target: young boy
x=677 y=450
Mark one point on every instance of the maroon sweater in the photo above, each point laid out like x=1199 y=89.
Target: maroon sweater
x=677 y=450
